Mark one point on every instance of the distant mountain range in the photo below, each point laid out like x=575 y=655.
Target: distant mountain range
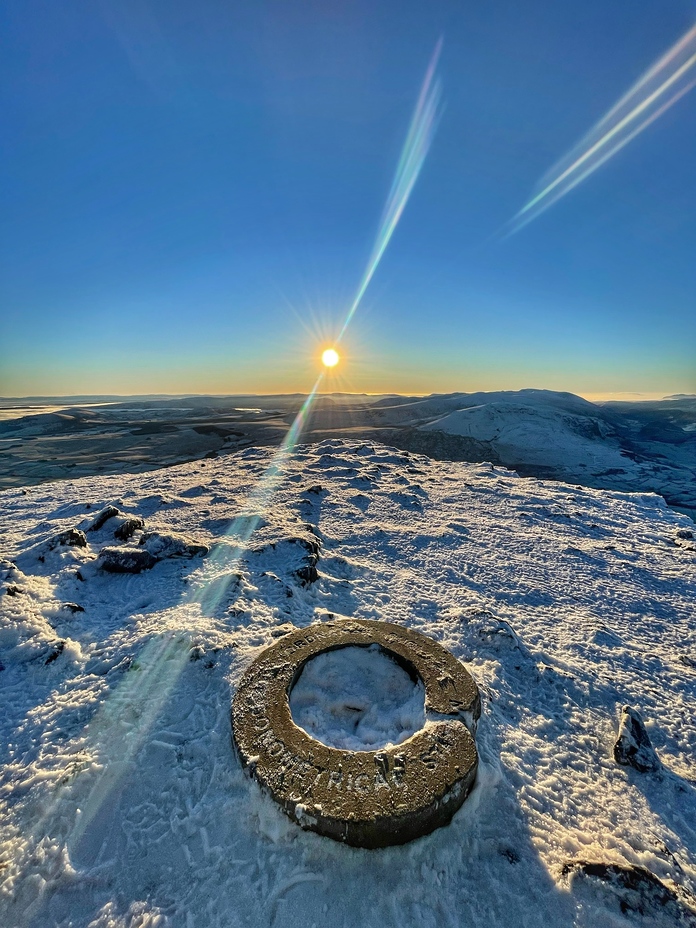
x=639 y=446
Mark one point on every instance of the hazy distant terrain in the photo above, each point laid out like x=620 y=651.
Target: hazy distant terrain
x=629 y=446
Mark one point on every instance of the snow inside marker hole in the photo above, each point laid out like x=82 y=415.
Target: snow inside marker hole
x=357 y=699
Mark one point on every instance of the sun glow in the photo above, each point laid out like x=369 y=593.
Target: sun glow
x=330 y=358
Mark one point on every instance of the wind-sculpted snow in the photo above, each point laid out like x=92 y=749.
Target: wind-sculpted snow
x=123 y=804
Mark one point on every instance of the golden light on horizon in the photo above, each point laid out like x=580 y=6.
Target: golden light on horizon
x=330 y=358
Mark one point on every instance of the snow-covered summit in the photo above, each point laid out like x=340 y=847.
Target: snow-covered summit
x=539 y=435
x=123 y=805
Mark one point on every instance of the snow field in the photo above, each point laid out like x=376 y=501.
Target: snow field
x=123 y=805
x=357 y=699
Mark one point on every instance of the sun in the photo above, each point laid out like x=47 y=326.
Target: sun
x=330 y=358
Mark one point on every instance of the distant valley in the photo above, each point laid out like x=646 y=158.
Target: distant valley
x=645 y=446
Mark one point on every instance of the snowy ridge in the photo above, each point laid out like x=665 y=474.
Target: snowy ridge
x=565 y=437
x=123 y=805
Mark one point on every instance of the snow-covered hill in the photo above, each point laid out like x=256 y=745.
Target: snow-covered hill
x=563 y=437
x=538 y=435
x=123 y=804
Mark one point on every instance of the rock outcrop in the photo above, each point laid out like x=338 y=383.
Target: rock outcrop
x=633 y=747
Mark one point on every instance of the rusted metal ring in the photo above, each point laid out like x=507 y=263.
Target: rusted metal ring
x=364 y=798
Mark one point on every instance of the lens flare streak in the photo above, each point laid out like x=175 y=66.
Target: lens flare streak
x=420 y=135
x=211 y=588
x=662 y=85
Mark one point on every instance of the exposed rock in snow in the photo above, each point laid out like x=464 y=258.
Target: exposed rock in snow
x=633 y=746
x=13 y=589
x=128 y=528
x=72 y=607
x=53 y=651
x=72 y=536
x=165 y=544
x=636 y=891
x=684 y=538
x=301 y=554
x=125 y=560
x=308 y=574
x=100 y=520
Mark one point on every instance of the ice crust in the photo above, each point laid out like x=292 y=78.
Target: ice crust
x=122 y=804
x=357 y=699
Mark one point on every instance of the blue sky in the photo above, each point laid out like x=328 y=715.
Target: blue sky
x=190 y=194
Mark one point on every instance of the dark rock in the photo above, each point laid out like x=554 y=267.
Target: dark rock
x=210 y=454
x=633 y=746
x=72 y=607
x=308 y=573
x=161 y=545
x=128 y=528
x=125 y=560
x=14 y=590
x=102 y=517
x=55 y=649
x=317 y=488
x=294 y=556
x=197 y=653
x=72 y=537
x=684 y=538
x=312 y=544
x=637 y=890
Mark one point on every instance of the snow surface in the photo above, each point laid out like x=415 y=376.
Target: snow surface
x=357 y=699
x=123 y=804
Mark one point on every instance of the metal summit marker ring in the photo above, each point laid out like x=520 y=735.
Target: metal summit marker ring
x=363 y=798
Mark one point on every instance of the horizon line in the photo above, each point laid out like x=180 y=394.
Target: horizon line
x=629 y=394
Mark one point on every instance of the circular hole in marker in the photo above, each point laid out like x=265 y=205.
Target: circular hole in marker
x=358 y=699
